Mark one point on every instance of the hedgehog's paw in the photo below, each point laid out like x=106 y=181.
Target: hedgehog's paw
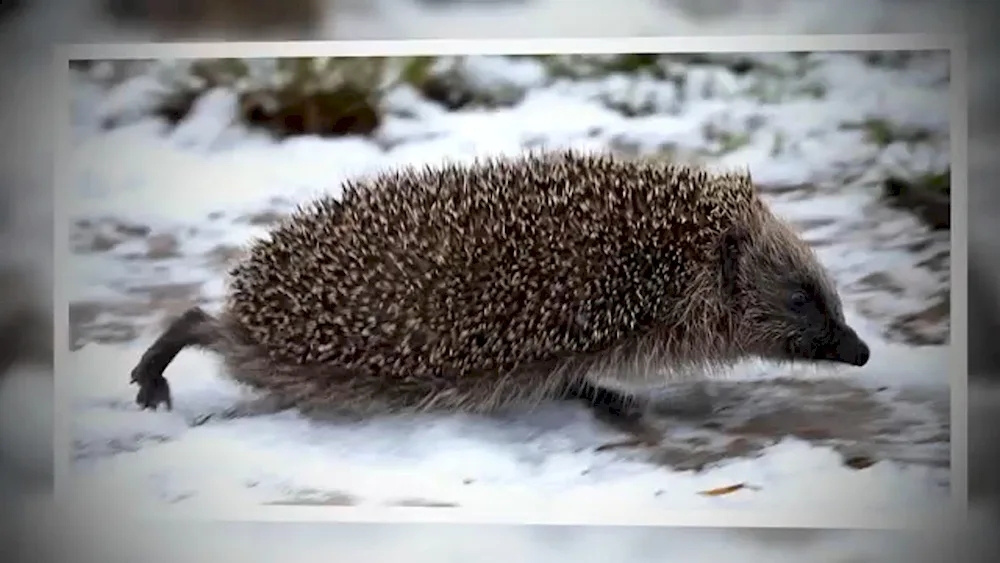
x=623 y=413
x=617 y=411
x=632 y=422
x=606 y=403
x=153 y=389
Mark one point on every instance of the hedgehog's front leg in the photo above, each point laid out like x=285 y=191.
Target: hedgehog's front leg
x=614 y=409
x=194 y=327
x=605 y=402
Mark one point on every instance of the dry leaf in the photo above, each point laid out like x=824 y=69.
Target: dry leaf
x=724 y=490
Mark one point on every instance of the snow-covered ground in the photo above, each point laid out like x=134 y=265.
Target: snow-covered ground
x=157 y=211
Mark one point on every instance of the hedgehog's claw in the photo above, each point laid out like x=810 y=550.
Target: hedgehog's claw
x=603 y=401
x=153 y=390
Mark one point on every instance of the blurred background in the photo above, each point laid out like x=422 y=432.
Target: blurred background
x=29 y=28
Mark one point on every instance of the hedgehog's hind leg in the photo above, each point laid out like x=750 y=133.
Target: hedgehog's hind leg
x=194 y=327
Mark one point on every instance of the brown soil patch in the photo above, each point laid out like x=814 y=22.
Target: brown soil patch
x=857 y=422
x=262 y=218
x=317 y=498
x=223 y=257
x=417 y=502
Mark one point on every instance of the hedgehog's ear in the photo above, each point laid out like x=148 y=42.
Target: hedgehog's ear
x=733 y=246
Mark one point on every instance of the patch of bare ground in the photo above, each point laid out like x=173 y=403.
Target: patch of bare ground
x=123 y=320
x=863 y=425
x=422 y=503
x=317 y=498
x=263 y=218
x=223 y=257
x=88 y=236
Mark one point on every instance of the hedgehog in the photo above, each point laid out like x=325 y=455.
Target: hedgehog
x=510 y=281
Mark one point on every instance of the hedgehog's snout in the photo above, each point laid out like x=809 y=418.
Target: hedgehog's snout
x=836 y=342
x=850 y=348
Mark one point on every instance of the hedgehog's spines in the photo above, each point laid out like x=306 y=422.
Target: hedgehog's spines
x=545 y=166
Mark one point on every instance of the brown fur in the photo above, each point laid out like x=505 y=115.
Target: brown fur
x=474 y=288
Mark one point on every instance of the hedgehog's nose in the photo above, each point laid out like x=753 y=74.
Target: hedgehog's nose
x=862 y=354
x=852 y=350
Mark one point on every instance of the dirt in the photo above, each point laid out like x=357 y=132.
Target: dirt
x=744 y=418
x=320 y=498
x=123 y=320
x=317 y=498
x=422 y=503
x=921 y=327
x=104 y=234
x=262 y=218
x=162 y=246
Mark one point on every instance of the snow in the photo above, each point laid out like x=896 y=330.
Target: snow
x=182 y=180
x=158 y=456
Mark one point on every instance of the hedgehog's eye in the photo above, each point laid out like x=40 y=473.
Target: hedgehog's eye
x=799 y=299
